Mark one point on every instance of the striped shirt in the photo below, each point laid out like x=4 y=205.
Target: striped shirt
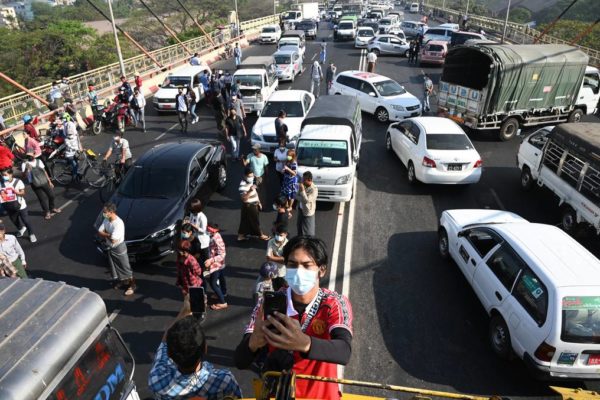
x=246 y=187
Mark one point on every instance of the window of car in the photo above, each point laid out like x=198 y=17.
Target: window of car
x=269 y=30
x=366 y=87
x=532 y=294
x=506 y=264
x=388 y=88
x=203 y=156
x=539 y=139
x=445 y=141
x=482 y=239
x=282 y=59
x=433 y=31
x=383 y=39
x=353 y=83
x=395 y=41
x=435 y=47
x=292 y=108
x=408 y=129
x=306 y=101
x=195 y=172
x=591 y=81
x=580 y=319
x=197 y=79
x=153 y=181
x=343 y=80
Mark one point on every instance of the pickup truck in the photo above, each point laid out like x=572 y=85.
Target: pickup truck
x=505 y=87
x=258 y=80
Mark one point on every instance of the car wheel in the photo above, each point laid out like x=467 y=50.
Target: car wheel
x=222 y=177
x=509 y=129
x=526 y=178
x=575 y=116
x=443 y=245
x=407 y=53
x=410 y=173
x=382 y=114
x=388 y=143
x=499 y=337
x=569 y=219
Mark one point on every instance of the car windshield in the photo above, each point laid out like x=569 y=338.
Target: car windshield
x=448 y=141
x=581 y=321
x=154 y=182
x=289 y=42
x=249 y=80
x=292 y=109
x=388 y=88
x=385 y=22
x=283 y=59
x=323 y=153
x=176 y=81
x=346 y=25
x=268 y=30
x=365 y=33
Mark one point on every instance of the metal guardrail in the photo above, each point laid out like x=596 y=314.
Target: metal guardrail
x=105 y=78
x=517 y=33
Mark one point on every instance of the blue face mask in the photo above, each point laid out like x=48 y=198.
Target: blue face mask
x=186 y=235
x=6 y=178
x=301 y=280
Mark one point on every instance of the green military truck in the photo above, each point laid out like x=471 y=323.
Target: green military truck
x=506 y=87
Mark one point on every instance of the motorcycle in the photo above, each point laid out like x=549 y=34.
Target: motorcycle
x=116 y=115
x=52 y=144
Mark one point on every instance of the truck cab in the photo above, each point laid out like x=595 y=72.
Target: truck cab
x=329 y=146
x=589 y=94
x=164 y=98
x=291 y=18
x=258 y=80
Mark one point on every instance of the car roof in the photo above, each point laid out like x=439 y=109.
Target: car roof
x=271 y=26
x=285 y=50
x=362 y=27
x=190 y=70
x=367 y=76
x=282 y=95
x=388 y=35
x=334 y=132
x=175 y=154
x=437 y=125
x=556 y=254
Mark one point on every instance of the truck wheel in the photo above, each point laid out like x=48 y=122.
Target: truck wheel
x=575 y=116
x=509 y=129
x=526 y=178
x=569 y=219
x=499 y=337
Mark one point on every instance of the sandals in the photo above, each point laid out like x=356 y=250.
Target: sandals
x=48 y=216
x=219 y=306
x=265 y=237
x=242 y=238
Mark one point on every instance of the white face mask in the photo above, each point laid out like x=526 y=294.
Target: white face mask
x=250 y=180
x=279 y=238
x=301 y=280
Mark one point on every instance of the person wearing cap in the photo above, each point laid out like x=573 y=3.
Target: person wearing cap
x=12 y=197
x=214 y=267
x=275 y=248
x=29 y=128
x=9 y=246
x=307 y=203
x=122 y=151
x=138 y=80
x=264 y=282
x=41 y=184
x=112 y=232
x=258 y=163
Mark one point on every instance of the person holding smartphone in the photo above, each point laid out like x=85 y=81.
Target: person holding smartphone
x=314 y=335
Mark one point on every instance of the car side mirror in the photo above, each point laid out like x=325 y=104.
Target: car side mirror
x=461 y=233
x=372 y=94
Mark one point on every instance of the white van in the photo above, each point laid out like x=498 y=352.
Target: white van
x=329 y=146
x=258 y=80
x=414 y=8
x=270 y=34
x=564 y=159
x=540 y=287
x=164 y=98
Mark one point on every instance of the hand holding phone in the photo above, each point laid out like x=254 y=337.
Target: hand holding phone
x=274 y=302
x=198 y=302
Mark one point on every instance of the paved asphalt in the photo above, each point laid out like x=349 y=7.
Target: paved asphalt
x=417 y=322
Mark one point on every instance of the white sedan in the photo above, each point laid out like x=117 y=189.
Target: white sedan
x=434 y=150
x=363 y=35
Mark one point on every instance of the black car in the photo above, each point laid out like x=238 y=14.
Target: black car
x=157 y=189
x=309 y=27
x=370 y=23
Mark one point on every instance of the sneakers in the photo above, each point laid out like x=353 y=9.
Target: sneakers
x=32 y=238
x=21 y=231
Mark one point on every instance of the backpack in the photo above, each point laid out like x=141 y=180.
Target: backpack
x=37 y=175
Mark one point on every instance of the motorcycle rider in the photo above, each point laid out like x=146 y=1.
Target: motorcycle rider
x=72 y=145
x=123 y=100
x=29 y=128
x=129 y=92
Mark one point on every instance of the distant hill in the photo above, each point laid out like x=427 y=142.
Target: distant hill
x=534 y=6
x=546 y=10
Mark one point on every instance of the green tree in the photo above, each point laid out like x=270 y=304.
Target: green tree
x=520 y=15
x=569 y=30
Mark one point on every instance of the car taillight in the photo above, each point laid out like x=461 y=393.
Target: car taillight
x=544 y=352
x=478 y=164
x=428 y=162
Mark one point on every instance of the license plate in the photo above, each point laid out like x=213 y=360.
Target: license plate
x=567 y=358
x=454 y=167
x=594 y=359
x=167 y=106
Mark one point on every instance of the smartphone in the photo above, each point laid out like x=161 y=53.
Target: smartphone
x=197 y=302
x=274 y=301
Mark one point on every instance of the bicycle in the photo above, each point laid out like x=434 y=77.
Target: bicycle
x=113 y=176
x=88 y=168
x=11 y=142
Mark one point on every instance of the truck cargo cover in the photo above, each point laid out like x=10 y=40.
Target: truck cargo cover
x=583 y=137
x=332 y=110
x=518 y=77
x=42 y=325
x=257 y=62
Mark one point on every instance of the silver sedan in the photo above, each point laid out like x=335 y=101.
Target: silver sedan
x=389 y=44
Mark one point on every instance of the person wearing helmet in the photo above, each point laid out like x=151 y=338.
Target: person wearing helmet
x=29 y=128
x=264 y=283
x=316 y=76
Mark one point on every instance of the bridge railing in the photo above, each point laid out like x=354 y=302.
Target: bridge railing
x=517 y=33
x=17 y=105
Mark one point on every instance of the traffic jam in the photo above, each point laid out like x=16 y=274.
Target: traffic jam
x=340 y=134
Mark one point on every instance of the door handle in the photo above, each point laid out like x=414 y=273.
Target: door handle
x=473 y=262
x=535 y=154
x=498 y=295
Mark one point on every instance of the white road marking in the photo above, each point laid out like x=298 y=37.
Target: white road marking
x=313 y=57
x=113 y=315
x=498 y=201
x=349 y=238
x=167 y=131
x=336 y=246
x=78 y=195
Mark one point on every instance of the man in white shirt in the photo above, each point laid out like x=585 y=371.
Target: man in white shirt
x=182 y=109
x=371 y=60
x=112 y=231
x=72 y=143
x=139 y=103
x=123 y=158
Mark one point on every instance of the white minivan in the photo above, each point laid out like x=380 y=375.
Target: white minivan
x=329 y=146
x=540 y=287
x=414 y=8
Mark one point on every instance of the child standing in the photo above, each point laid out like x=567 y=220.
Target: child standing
x=189 y=273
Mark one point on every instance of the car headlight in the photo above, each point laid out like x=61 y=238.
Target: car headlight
x=258 y=97
x=397 y=108
x=342 y=180
x=168 y=231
